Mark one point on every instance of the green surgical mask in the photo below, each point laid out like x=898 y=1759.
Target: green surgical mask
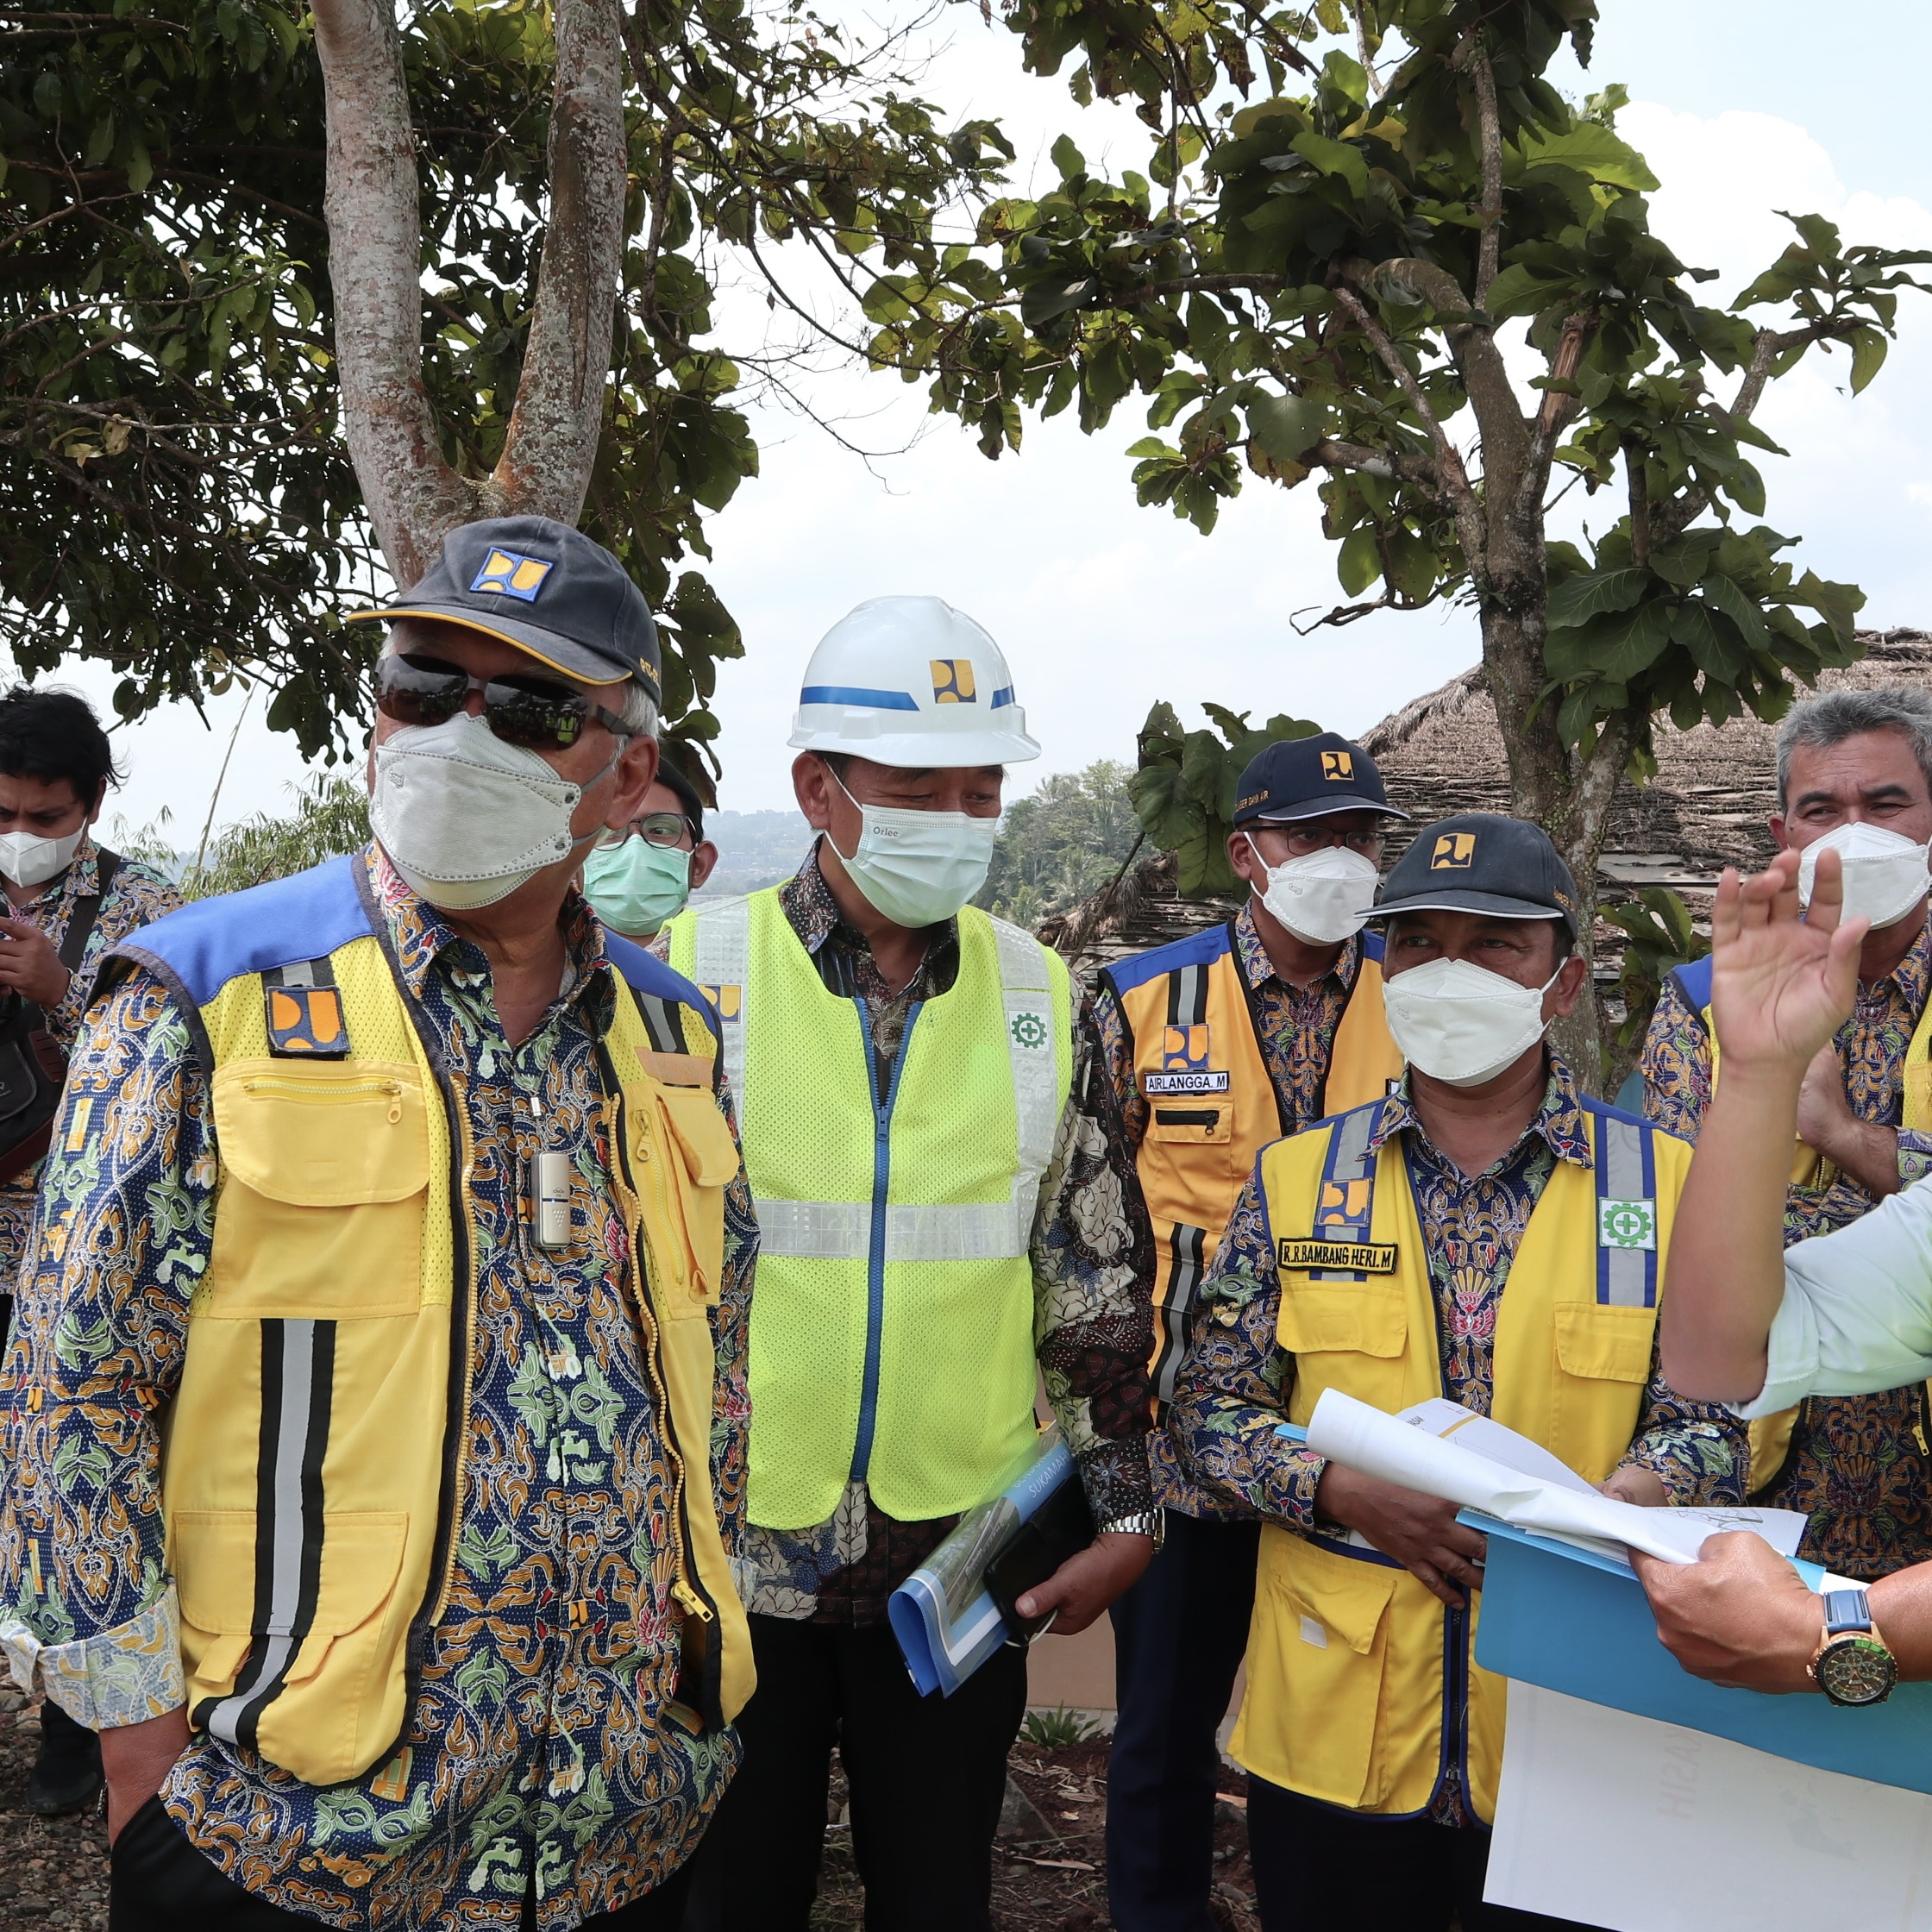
x=637 y=888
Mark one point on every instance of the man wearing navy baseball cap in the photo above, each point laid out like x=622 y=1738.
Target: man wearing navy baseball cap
x=1215 y=1045
x=1483 y=1232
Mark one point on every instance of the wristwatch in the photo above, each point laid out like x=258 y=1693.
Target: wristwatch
x=1853 y=1666
x=1143 y=1522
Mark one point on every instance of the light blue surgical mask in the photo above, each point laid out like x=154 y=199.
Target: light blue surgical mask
x=918 y=868
x=638 y=888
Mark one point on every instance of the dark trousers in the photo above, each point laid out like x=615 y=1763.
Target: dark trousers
x=158 y=1882
x=1179 y=1635
x=1316 y=1868
x=925 y=1775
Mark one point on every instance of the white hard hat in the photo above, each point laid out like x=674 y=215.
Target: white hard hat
x=909 y=680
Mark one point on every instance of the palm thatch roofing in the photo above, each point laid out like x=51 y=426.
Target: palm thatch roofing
x=1707 y=807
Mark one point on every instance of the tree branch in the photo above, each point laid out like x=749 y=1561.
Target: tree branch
x=1333 y=454
x=551 y=444
x=1489 y=127
x=375 y=244
x=1640 y=504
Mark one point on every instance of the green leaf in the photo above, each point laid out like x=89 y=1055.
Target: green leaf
x=1869 y=356
x=1335 y=158
x=1286 y=427
x=1711 y=642
x=1590 y=148
x=1577 y=600
x=1723 y=595
x=1068 y=159
x=1624 y=650
x=1360 y=562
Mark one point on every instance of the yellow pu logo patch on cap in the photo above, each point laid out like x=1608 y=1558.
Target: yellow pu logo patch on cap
x=952 y=681
x=1455 y=851
x=513 y=575
x=1337 y=764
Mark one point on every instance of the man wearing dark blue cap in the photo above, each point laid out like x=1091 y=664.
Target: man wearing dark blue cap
x=1483 y=1233
x=404 y=1192
x=1216 y=1044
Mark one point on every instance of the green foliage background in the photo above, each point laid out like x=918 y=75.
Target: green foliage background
x=1061 y=844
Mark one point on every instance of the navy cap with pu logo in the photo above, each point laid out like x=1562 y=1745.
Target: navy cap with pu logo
x=1308 y=778
x=1481 y=861
x=546 y=589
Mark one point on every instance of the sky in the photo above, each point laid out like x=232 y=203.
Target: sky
x=1741 y=106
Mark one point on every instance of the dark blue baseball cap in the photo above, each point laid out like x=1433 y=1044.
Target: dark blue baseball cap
x=1308 y=778
x=546 y=589
x=1481 y=861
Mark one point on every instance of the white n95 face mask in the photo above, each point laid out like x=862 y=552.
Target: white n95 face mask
x=918 y=867
x=1885 y=874
x=467 y=818
x=1461 y=1023
x=30 y=860
x=1323 y=897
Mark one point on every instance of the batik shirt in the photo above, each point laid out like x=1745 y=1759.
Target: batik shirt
x=1233 y=1389
x=137 y=896
x=1859 y=1466
x=1092 y=1254
x=541 y=1752
x=1295 y=1026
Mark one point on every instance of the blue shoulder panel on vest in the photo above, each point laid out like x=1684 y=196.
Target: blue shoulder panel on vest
x=1372 y=945
x=644 y=972
x=1609 y=1112
x=1198 y=949
x=206 y=944
x=1694 y=983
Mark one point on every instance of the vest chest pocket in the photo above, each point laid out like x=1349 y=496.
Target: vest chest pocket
x=1191 y=1125
x=1349 y=1318
x=1604 y=1344
x=324 y=1172
x=701 y=1161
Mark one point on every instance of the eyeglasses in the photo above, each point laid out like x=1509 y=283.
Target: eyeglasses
x=1301 y=840
x=537 y=713
x=666 y=828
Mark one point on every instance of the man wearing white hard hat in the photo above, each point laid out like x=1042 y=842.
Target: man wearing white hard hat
x=948 y=1211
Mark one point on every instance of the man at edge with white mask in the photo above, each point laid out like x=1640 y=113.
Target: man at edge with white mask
x=948 y=1214
x=1218 y=1044
x=1852 y=779
x=1484 y=1233
x=405 y=1194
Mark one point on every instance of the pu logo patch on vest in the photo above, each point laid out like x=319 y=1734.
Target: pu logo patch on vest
x=1337 y=764
x=513 y=575
x=1184 y=1068
x=952 y=681
x=1455 y=851
x=1627 y=1224
x=728 y=1001
x=1340 y=1221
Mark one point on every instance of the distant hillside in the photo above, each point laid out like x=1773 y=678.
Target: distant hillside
x=754 y=849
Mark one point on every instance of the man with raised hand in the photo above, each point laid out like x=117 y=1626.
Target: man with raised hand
x=1855 y=780
x=948 y=1215
x=1484 y=1233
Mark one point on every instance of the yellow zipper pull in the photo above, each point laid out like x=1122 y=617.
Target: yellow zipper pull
x=395 y=1092
x=689 y=1600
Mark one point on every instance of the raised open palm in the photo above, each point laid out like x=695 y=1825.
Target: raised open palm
x=1782 y=985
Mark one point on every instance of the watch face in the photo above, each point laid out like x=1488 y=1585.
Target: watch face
x=1857 y=1671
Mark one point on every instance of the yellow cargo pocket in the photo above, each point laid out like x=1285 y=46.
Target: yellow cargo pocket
x=1601 y=1343
x=1198 y=1126
x=325 y=1166
x=1315 y=1666
x=1354 y=1318
x=704 y=1162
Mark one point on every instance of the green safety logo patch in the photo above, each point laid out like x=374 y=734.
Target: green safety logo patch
x=1029 y=1030
x=1627 y=1224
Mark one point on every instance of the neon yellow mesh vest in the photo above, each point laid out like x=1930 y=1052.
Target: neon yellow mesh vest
x=1351 y=1662
x=312 y=1473
x=891 y=1325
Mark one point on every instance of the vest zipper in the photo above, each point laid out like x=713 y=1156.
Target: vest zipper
x=875 y=1253
x=322 y=1093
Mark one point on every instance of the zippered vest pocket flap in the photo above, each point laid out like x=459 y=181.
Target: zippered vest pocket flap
x=1354 y=1318
x=704 y=1141
x=1191 y=1123
x=212 y=1553
x=323 y=1134
x=1604 y=1344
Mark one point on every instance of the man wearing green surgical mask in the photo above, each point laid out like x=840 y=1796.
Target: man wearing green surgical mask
x=639 y=884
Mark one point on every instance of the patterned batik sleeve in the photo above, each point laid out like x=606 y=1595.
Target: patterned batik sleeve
x=1231 y=1395
x=1675 y=1066
x=731 y=1331
x=138 y=896
x=1115 y=1042
x=1093 y=1254
x=121 y=1238
x=1914 y=1156
x=1700 y=1451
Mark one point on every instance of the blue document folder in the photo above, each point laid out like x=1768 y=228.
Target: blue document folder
x=1573 y=1622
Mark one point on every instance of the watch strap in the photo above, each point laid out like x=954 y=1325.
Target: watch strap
x=1847 y=1610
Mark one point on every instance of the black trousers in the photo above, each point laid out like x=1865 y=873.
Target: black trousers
x=1316 y=1868
x=158 y=1882
x=926 y=1774
x=1179 y=1636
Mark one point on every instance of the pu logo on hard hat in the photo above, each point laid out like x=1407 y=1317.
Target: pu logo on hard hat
x=1455 y=851
x=513 y=575
x=1337 y=764
x=952 y=681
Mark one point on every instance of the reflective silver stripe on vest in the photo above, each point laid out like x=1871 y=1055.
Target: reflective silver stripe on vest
x=1627 y=1271
x=1027 y=987
x=1186 y=1246
x=842 y=1231
x=721 y=946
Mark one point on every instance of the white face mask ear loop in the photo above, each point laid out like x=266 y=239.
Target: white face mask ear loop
x=850 y=800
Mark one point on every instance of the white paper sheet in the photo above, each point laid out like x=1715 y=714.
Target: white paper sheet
x=1373 y=1442
x=1622 y=1821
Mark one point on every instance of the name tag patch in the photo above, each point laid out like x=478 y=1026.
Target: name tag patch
x=1154 y=1083
x=1627 y=1224
x=1354 y=1257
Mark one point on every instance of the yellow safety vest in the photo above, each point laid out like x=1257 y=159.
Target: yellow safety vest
x=1211 y=1106
x=1355 y=1670
x=1771 y=1435
x=312 y=1475
x=891 y=1329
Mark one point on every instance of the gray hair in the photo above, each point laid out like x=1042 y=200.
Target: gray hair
x=1835 y=716
x=639 y=709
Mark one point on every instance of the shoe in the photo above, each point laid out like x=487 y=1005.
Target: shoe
x=67 y=1774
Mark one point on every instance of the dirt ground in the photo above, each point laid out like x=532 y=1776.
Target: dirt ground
x=54 y=1871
